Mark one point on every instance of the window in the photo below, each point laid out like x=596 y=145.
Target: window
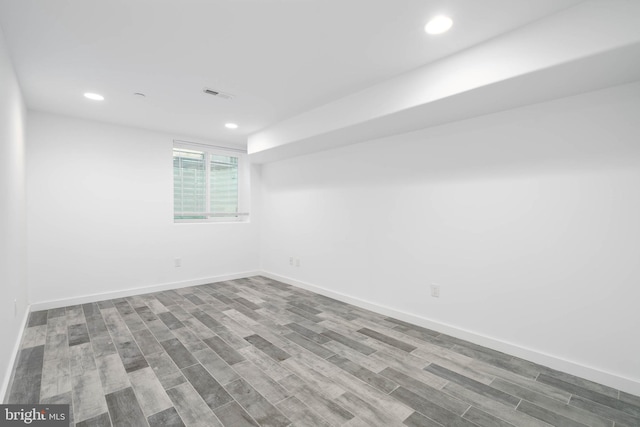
x=208 y=183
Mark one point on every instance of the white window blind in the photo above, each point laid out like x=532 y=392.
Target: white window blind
x=207 y=184
x=223 y=188
x=189 y=183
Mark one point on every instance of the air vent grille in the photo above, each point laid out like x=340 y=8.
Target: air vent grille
x=217 y=93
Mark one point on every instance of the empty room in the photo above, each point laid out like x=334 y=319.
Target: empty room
x=320 y=213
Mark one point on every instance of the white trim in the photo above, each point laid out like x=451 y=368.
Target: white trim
x=64 y=302
x=607 y=378
x=618 y=382
x=14 y=355
x=187 y=144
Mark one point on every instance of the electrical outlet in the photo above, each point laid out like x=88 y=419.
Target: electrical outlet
x=177 y=262
x=290 y=260
x=297 y=262
x=435 y=291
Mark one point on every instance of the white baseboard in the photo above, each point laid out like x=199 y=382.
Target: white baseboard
x=65 y=302
x=609 y=379
x=6 y=383
x=612 y=380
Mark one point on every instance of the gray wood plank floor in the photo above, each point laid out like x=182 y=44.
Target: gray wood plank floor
x=256 y=352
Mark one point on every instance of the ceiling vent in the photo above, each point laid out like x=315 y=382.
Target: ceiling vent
x=217 y=93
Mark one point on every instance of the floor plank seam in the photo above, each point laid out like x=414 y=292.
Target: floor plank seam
x=258 y=352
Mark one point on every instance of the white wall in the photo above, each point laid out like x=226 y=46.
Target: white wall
x=527 y=219
x=100 y=215
x=13 y=284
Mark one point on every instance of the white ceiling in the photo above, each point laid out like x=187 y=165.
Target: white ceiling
x=278 y=57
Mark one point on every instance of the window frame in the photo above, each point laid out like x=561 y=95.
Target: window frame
x=209 y=151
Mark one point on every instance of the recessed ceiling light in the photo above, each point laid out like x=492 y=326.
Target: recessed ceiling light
x=438 y=25
x=231 y=126
x=94 y=96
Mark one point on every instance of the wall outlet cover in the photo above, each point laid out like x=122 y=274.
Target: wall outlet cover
x=435 y=291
